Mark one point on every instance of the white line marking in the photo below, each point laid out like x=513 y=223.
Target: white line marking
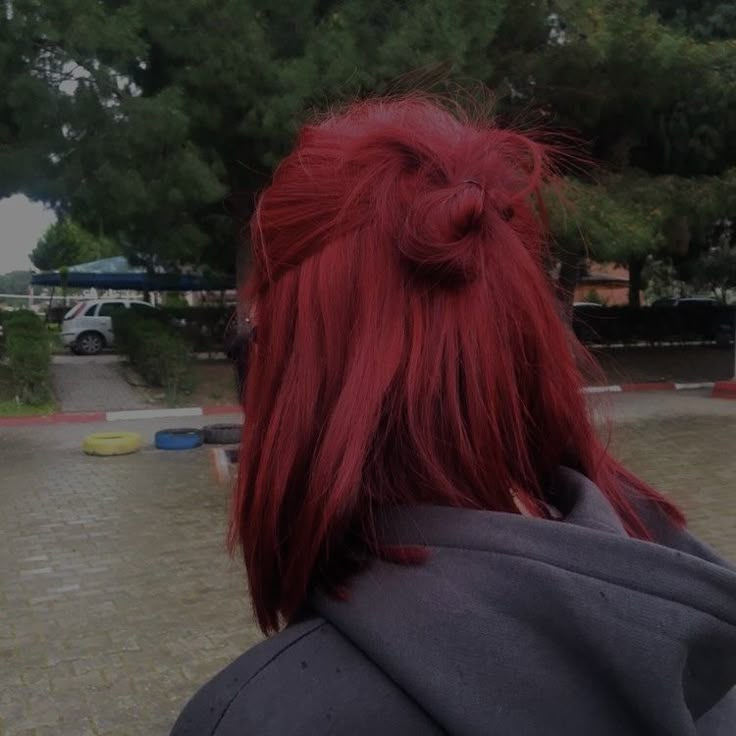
x=602 y=390
x=118 y=416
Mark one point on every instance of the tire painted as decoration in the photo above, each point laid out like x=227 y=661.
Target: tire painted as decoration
x=107 y=444
x=178 y=439
x=223 y=434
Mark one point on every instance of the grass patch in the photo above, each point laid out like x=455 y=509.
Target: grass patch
x=157 y=353
x=215 y=383
x=12 y=409
x=9 y=407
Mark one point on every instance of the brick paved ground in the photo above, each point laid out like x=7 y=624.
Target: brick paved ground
x=117 y=599
x=93 y=384
x=685 y=445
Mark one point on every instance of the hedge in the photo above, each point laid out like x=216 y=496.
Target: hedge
x=686 y=323
x=27 y=350
x=202 y=327
x=160 y=355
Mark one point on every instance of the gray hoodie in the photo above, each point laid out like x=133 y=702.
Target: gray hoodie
x=514 y=626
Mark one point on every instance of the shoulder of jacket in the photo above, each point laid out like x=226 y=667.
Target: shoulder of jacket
x=206 y=709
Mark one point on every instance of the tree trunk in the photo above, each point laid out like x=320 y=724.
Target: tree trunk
x=636 y=265
x=150 y=275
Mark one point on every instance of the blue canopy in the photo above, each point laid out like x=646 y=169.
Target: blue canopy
x=117 y=273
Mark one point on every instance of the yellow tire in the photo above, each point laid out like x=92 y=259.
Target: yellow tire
x=112 y=443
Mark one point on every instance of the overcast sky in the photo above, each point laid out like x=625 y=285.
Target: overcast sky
x=22 y=223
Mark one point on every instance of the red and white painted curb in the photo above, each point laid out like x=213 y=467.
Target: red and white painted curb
x=195 y=411
x=722 y=389
x=626 y=388
x=725 y=390
x=96 y=417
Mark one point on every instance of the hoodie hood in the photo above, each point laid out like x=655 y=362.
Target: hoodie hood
x=529 y=626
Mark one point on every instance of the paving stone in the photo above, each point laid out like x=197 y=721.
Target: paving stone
x=117 y=597
x=93 y=384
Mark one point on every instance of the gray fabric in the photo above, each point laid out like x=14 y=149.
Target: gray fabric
x=513 y=626
x=307 y=680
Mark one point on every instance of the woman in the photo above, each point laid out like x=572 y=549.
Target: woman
x=424 y=509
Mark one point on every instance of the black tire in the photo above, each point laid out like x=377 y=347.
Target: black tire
x=223 y=434
x=90 y=343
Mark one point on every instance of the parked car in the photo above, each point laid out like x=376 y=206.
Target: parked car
x=708 y=318
x=687 y=301
x=587 y=305
x=87 y=326
x=584 y=319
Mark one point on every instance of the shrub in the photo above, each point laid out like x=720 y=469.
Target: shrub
x=202 y=327
x=160 y=355
x=21 y=318
x=593 y=297
x=609 y=325
x=28 y=353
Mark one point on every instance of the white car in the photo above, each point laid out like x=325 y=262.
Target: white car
x=87 y=326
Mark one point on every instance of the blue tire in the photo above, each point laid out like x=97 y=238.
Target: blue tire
x=178 y=439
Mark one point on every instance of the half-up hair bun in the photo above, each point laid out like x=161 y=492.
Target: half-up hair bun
x=442 y=235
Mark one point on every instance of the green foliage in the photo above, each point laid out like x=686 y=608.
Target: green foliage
x=156 y=122
x=202 y=327
x=65 y=243
x=593 y=297
x=169 y=165
x=158 y=353
x=174 y=299
x=607 y=224
x=21 y=318
x=28 y=354
x=716 y=271
x=661 y=279
x=15 y=282
x=707 y=19
x=647 y=94
x=43 y=47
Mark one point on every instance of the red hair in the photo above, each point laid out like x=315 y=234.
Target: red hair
x=410 y=349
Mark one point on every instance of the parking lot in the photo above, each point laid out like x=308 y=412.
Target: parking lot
x=118 y=598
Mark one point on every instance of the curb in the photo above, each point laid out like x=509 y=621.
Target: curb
x=627 y=388
x=97 y=417
x=722 y=389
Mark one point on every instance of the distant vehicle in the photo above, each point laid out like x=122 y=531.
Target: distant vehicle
x=585 y=318
x=687 y=301
x=87 y=326
x=718 y=327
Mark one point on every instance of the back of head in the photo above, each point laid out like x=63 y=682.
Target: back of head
x=410 y=349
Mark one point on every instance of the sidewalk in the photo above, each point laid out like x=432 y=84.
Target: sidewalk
x=93 y=384
x=118 y=599
x=91 y=416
